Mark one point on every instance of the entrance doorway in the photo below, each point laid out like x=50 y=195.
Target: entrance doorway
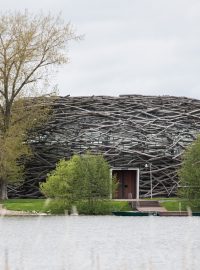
x=128 y=183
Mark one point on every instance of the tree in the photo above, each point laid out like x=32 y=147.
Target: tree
x=189 y=174
x=30 y=47
x=83 y=177
x=13 y=145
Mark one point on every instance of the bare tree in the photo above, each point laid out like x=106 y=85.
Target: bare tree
x=30 y=49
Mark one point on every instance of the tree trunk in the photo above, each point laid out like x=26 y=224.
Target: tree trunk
x=3 y=190
x=7 y=116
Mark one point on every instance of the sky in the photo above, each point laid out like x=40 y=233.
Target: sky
x=148 y=47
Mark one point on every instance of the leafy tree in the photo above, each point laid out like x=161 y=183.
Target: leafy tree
x=83 y=177
x=30 y=48
x=12 y=142
x=190 y=174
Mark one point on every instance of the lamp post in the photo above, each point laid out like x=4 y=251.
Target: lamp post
x=150 y=172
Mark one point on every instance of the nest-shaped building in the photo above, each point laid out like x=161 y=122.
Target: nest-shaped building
x=142 y=138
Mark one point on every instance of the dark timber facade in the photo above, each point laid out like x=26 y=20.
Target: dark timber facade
x=142 y=137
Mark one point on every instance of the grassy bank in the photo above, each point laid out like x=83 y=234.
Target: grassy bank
x=59 y=207
x=176 y=204
x=29 y=205
x=106 y=207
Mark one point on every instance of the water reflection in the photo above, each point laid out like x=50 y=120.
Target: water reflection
x=99 y=243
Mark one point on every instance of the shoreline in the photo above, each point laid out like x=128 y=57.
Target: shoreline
x=5 y=212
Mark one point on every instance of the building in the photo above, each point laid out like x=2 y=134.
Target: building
x=142 y=137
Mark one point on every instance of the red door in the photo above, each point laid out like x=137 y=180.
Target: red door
x=126 y=184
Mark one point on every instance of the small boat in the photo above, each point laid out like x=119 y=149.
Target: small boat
x=162 y=214
x=134 y=213
x=196 y=214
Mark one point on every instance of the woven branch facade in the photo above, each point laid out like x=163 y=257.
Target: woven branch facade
x=132 y=131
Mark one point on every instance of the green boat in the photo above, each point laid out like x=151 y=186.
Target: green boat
x=141 y=214
x=134 y=213
x=196 y=214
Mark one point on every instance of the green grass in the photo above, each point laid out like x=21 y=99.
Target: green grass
x=29 y=205
x=177 y=204
x=174 y=205
x=119 y=206
x=58 y=207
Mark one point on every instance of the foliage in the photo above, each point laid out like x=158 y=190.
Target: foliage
x=30 y=46
x=83 y=177
x=12 y=142
x=11 y=149
x=101 y=207
x=57 y=183
x=57 y=207
x=189 y=174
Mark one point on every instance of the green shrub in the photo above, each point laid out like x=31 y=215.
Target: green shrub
x=94 y=208
x=101 y=207
x=83 y=177
x=56 y=185
x=98 y=207
x=58 y=207
x=189 y=174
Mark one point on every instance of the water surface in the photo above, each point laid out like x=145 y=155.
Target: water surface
x=100 y=243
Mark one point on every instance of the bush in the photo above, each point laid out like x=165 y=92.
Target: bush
x=82 y=178
x=190 y=174
x=57 y=184
x=58 y=207
x=101 y=207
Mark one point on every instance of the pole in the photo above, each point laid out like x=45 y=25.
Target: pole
x=151 y=180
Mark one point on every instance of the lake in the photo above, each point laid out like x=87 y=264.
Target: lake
x=99 y=243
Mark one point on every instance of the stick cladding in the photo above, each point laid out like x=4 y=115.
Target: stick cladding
x=129 y=130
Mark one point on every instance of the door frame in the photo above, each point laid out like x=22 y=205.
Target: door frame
x=137 y=178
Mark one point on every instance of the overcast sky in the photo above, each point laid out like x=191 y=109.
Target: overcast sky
x=130 y=46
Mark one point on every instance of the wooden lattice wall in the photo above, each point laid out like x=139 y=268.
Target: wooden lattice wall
x=130 y=131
